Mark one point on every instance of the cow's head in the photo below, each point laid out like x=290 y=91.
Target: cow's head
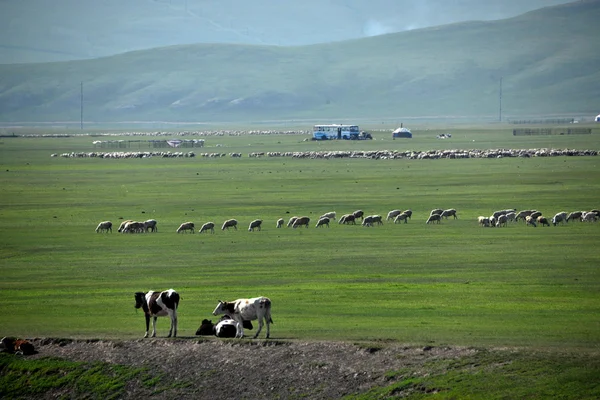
x=140 y=298
x=224 y=307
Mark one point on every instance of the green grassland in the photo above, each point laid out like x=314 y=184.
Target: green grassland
x=453 y=283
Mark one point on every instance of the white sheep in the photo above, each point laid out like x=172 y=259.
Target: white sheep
x=530 y=221
x=434 y=218
x=255 y=225
x=228 y=224
x=322 y=221
x=150 y=225
x=186 y=226
x=393 y=214
x=589 y=217
x=502 y=220
x=209 y=226
x=401 y=217
x=104 y=226
x=449 y=212
x=330 y=215
x=300 y=221
x=280 y=222
x=559 y=217
x=483 y=221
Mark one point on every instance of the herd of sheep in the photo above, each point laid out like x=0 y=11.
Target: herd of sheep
x=369 y=154
x=534 y=218
x=499 y=218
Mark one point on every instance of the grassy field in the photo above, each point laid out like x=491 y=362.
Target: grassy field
x=453 y=283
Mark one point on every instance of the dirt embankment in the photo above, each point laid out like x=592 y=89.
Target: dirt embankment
x=233 y=369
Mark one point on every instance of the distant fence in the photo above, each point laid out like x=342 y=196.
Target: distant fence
x=555 y=121
x=549 y=131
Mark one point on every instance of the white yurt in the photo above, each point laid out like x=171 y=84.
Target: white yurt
x=598 y=118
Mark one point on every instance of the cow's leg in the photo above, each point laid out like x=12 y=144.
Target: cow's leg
x=268 y=327
x=147 y=325
x=173 y=330
x=240 y=327
x=154 y=326
x=260 y=325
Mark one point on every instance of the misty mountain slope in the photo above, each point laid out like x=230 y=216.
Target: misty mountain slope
x=547 y=61
x=33 y=31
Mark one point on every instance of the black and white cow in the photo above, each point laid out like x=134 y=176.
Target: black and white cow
x=247 y=310
x=226 y=327
x=158 y=304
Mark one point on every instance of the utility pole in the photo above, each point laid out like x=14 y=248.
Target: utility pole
x=81 y=101
x=500 y=98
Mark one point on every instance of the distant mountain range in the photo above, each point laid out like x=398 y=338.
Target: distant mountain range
x=547 y=61
x=64 y=30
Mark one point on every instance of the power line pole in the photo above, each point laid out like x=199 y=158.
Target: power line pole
x=81 y=101
x=500 y=98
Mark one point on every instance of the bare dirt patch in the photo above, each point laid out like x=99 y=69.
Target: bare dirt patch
x=245 y=369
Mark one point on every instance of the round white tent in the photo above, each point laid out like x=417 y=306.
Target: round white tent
x=402 y=133
x=598 y=118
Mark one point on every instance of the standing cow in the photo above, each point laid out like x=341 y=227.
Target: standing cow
x=158 y=304
x=247 y=309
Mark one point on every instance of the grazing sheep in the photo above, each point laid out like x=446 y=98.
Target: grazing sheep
x=511 y=216
x=347 y=219
x=434 y=218
x=134 y=227
x=123 y=224
x=504 y=212
x=449 y=212
x=408 y=212
x=322 y=221
x=367 y=221
x=105 y=226
x=300 y=221
x=358 y=214
x=255 y=225
x=209 y=226
x=589 y=217
x=280 y=222
x=492 y=220
x=229 y=223
x=393 y=214
x=186 y=226
x=574 y=216
x=436 y=211
x=542 y=220
x=483 y=221
x=502 y=221
x=291 y=221
x=536 y=214
x=559 y=217
x=330 y=215
x=524 y=214
x=150 y=225
x=401 y=217
x=377 y=219
x=530 y=221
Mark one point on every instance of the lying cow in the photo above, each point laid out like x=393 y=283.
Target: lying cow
x=222 y=328
x=158 y=304
x=247 y=309
x=17 y=346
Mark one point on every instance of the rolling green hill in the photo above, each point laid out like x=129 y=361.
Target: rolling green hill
x=547 y=60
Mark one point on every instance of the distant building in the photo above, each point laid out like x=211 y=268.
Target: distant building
x=597 y=118
x=401 y=133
